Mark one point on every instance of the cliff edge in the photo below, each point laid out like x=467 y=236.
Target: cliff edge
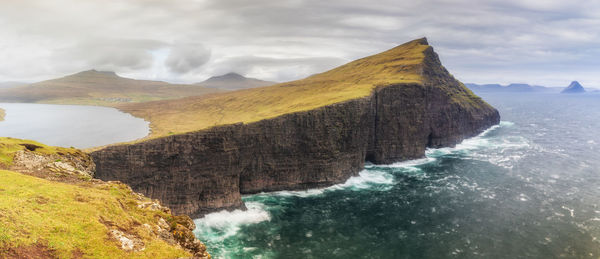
x=208 y=151
x=50 y=207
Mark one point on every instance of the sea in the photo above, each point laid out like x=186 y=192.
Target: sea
x=526 y=188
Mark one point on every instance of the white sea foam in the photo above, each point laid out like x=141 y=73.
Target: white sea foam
x=364 y=180
x=410 y=164
x=223 y=224
x=497 y=147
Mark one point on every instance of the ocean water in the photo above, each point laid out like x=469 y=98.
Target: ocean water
x=527 y=188
x=70 y=125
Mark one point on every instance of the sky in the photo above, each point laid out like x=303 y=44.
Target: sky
x=542 y=42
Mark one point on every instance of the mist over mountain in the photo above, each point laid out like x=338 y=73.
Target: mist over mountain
x=11 y=84
x=510 y=88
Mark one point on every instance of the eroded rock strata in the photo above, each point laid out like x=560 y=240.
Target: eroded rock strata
x=200 y=172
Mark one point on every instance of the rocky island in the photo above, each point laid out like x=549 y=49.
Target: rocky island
x=205 y=152
x=573 y=88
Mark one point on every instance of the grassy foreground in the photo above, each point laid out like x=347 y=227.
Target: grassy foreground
x=356 y=79
x=66 y=215
x=42 y=217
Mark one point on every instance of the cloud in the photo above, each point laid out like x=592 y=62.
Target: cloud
x=275 y=69
x=290 y=39
x=107 y=54
x=186 y=58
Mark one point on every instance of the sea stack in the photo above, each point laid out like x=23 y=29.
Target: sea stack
x=205 y=152
x=574 y=88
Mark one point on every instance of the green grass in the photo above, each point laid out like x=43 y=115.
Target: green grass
x=9 y=146
x=66 y=218
x=356 y=79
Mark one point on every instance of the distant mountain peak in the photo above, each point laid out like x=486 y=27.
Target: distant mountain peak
x=94 y=72
x=574 y=87
x=230 y=75
x=575 y=84
x=233 y=81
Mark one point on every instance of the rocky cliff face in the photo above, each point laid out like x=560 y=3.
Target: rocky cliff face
x=200 y=172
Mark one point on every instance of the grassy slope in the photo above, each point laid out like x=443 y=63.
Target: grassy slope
x=69 y=218
x=2 y=114
x=65 y=218
x=9 y=146
x=357 y=79
x=99 y=88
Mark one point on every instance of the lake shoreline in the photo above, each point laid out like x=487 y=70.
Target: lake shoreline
x=81 y=126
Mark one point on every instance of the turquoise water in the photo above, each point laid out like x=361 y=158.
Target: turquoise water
x=70 y=125
x=527 y=188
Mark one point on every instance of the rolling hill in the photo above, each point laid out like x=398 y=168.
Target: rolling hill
x=233 y=81
x=99 y=88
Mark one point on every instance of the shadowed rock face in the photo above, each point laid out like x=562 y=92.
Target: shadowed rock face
x=200 y=172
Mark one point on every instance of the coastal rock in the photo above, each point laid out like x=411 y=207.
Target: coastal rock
x=51 y=166
x=201 y=172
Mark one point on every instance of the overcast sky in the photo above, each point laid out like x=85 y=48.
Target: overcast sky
x=544 y=42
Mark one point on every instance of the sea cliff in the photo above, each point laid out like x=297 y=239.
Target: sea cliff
x=203 y=171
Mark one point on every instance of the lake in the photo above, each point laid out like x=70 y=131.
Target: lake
x=70 y=125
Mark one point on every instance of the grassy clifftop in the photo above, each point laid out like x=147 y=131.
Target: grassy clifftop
x=10 y=146
x=402 y=64
x=48 y=209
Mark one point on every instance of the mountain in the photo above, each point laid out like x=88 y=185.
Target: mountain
x=10 y=84
x=573 y=88
x=511 y=88
x=99 y=88
x=206 y=152
x=233 y=81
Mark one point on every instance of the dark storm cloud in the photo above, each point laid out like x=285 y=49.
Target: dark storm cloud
x=535 y=41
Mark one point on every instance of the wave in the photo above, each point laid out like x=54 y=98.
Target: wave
x=366 y=179
x=220 y=225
